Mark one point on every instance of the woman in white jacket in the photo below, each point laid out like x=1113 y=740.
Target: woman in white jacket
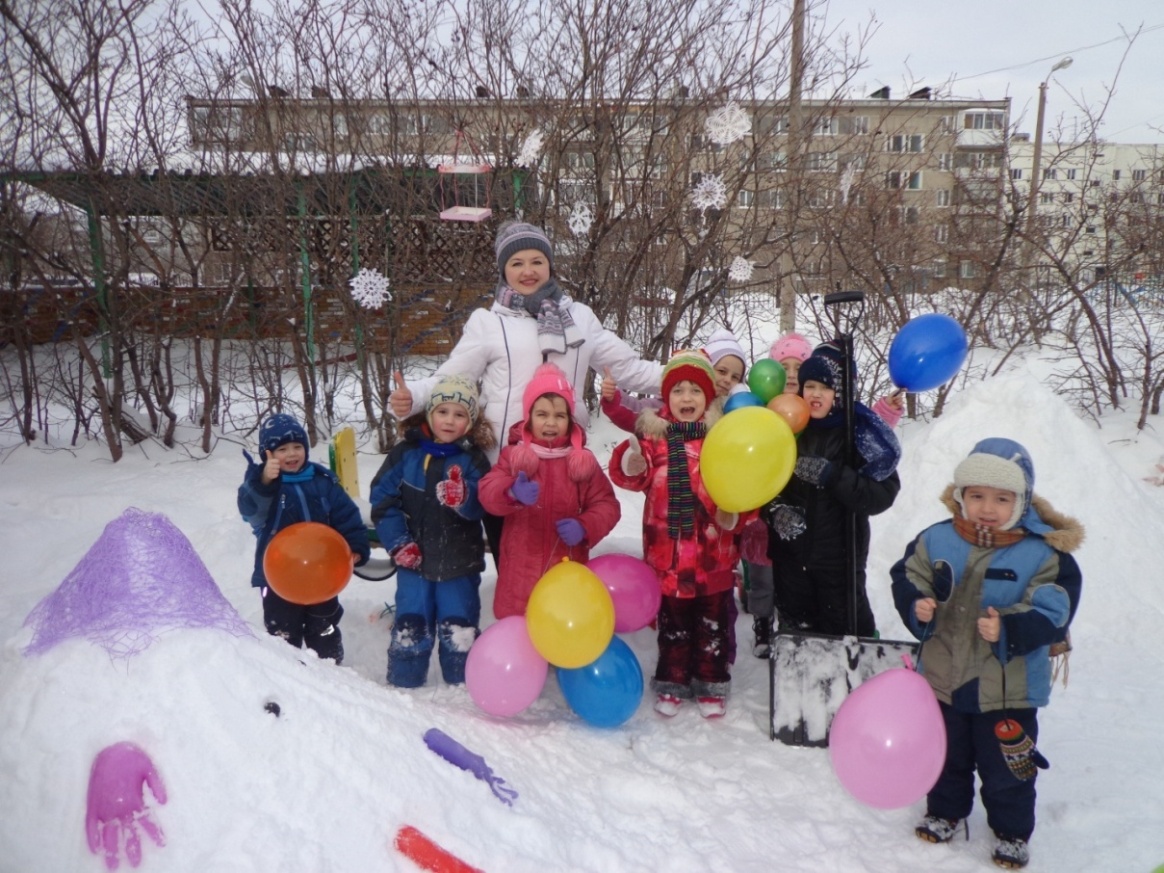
x=531 y=321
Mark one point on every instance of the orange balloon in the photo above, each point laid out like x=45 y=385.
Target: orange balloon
x=792 y=408
x=307 y=563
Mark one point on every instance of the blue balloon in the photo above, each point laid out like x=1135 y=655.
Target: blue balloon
x=927 y=352
x=741 y=399
x=606 y=692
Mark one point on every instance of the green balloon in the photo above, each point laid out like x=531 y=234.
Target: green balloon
x=766 y=379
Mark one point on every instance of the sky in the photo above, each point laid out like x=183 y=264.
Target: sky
x=328 y=783
x=1000 y=48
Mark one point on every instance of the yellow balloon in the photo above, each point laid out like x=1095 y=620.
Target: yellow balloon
x=747 y=459
x=570 y=616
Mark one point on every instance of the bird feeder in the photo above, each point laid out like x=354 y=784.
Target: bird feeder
x=465 y=186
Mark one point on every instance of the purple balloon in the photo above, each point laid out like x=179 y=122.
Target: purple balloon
x=887 y=742
x=633 y=587
x=504 y=672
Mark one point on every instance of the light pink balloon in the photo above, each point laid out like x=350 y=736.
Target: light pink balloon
x=887 y=742
x=633 y=587
x=505 y=673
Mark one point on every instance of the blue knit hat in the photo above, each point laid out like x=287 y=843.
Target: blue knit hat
x=280 y=429
x=516 y=236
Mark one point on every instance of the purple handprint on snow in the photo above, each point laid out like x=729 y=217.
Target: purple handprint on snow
x=115 y=803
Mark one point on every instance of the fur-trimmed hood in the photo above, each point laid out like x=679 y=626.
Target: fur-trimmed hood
x=653 y=422
x=1065 y=533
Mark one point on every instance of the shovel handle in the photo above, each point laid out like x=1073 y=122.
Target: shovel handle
x=834 y=298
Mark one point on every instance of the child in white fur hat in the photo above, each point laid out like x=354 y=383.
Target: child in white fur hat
x=988 y=592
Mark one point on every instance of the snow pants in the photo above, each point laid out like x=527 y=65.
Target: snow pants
x=971 y=744
x=316 y=626
x=448 y=611
x=695 y=646
x=816 y=599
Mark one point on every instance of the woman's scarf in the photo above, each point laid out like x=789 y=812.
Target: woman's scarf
x=556 y=329
x=680 y=496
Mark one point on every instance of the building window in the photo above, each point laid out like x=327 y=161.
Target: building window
x=746 y=199
x=942 y=233
x=1095 y=183
x=773 y=199
x=1016 y=174
x=1046 y=197
x=855 y=124
x=939 y=269
x=967 y=270
x=1071 y=174
x=1050 y=173
x=856 y=163
x=946 y=161
x=910 y=181
x=1068 y=197
x=985 y=121
x=1115 y=175
x=821 y=162
x=1139 y=175
x=942 y=197
x=826 y=127
x=905 y=143
x=1091 y=228
x=946 y=124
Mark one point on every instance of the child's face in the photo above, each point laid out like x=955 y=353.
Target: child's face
x=819 y=397
x=449 y=422
x=290 y=456
x=527 y=271
x=549 y=417
x=687 y=401
x=792 y=369
x=986 y=506
x=729 y=372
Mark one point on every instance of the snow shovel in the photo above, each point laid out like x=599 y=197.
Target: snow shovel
x=811 y=674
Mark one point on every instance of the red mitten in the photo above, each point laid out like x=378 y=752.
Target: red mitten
x=451 y=491
x=408 y=555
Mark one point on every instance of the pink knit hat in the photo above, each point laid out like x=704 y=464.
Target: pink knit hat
x=791 y=345
x=549 y=379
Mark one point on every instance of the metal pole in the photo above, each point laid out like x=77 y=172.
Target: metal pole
x=1036 y=164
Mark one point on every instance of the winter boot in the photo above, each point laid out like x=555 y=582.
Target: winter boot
x=762 y=628
x=1011 y=853
x=668 y=704
x=712 y=707
x=939 y=830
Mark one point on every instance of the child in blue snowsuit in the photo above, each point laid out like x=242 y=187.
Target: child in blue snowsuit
x=988 y=592
x=426 y=512
x=284 y=488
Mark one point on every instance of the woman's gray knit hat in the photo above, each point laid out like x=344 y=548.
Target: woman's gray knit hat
x=515 y=236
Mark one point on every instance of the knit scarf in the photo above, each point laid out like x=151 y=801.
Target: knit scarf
x=986 y=537
x=680 y=496
x=556 y=329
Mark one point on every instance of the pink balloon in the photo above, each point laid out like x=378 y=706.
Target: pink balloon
x=887 y=742
x=633 y=587
x=504 y=672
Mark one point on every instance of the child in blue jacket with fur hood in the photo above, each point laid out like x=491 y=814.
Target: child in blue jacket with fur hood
x=427 y=514
x=285 y=488
x=988 y=592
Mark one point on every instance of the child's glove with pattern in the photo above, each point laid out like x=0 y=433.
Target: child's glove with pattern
x=524 y=491
x=814 y=471
x=570 y=530
x=408 y=555
x=633 y=462
x=786 y=521
x=451 y=491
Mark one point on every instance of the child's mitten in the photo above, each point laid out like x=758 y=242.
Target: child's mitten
x=524 y=491
x=408 y=555
x=570 y=531
x=451 y=491
x=1019 y=750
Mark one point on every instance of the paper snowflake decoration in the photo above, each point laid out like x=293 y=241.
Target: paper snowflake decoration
x=709 y=193
x=728 y=124
x=530 y=149
x=580 y=219
x=370 y=288
x=740 y=270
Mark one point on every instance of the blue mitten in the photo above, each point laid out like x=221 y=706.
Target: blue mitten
x=571 y=531
x=524 y=491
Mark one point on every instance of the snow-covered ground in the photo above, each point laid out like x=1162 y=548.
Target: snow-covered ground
x=326 y=785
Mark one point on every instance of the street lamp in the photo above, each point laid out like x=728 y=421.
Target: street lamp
x=1037 y=156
